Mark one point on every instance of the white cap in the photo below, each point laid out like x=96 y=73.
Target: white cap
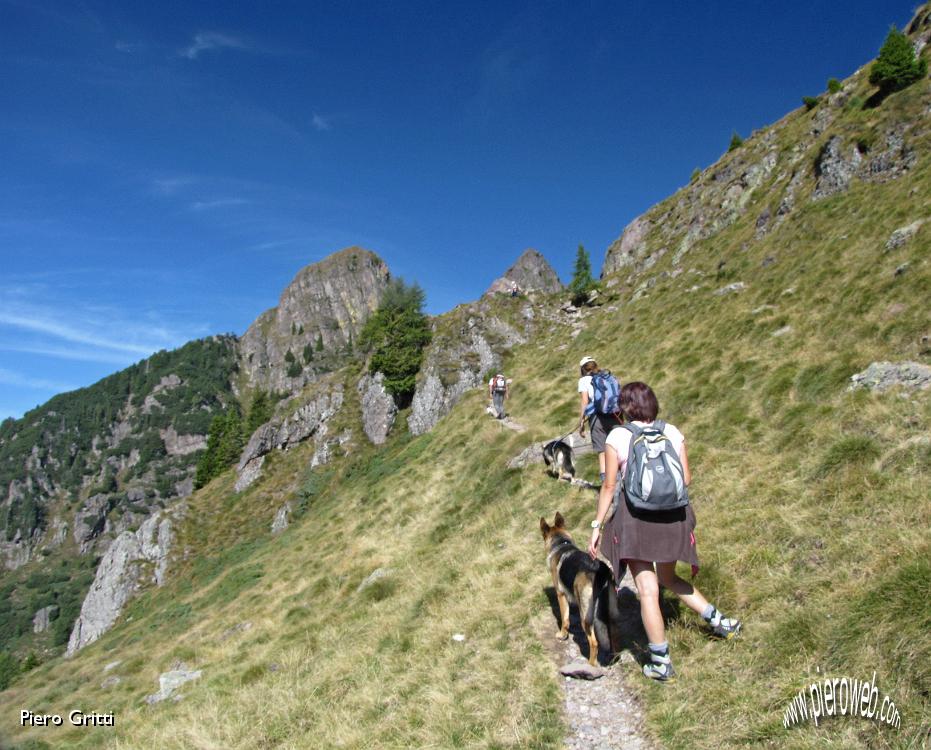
x=585 y=360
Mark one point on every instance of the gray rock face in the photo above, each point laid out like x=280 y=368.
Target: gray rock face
x=119 y=576
x=881 y=376
x=434 y=398
x=835 y=168
x=628 y=247
x=531 y=273
x=181 y=445
x=329 y=301
x=378 y=407
x=43 y=618
x=467 y=346
x=283 y=434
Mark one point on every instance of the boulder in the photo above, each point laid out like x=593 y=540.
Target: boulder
x=43 y=618
x=169 y=682
x=881 y=376
x=281 y=519
x=903 y=234
x=378 y=407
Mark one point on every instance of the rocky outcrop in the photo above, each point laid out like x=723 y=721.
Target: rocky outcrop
x=835 y=168
x=378 y=407
x=319 y=315
x=881 y=376
x=281 y=434
x=530 y=273
x=133 y=557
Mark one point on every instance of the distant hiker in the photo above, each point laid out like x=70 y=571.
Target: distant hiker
x=515 y=289
x=499 y=389
x=652 y=523
x=598 y=405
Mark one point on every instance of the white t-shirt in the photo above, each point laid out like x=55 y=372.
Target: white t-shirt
x=619 y=439
x=585 y=386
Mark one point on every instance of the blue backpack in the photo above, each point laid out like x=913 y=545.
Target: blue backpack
x=607 y=392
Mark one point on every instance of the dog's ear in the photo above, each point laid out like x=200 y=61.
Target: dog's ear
x=560 y=522
x=544 y=526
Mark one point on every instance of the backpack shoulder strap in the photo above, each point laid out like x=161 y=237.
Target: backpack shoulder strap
x=634 y=429
x=660 y=425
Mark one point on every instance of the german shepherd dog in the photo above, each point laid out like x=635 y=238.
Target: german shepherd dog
x=581 y=581
x=558 y=458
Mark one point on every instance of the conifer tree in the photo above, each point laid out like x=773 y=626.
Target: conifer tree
x=897 y=67
x=582 y=282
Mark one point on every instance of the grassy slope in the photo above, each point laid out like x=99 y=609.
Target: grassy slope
x=812 y=505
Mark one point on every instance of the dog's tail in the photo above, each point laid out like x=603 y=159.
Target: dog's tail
x=604 y=606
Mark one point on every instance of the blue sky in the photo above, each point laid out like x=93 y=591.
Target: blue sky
x=168 y=167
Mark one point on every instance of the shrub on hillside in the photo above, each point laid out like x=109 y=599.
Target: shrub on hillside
x=810 y=102
x=736 y=141
x=897 y=65
x=395 y=338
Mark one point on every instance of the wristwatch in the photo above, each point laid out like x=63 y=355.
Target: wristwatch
x=596 y=524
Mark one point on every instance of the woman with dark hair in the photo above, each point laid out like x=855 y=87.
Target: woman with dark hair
x=650 y=542
x=599 y=424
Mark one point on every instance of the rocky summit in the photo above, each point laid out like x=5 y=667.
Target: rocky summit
x=318 y=318
x=530 y=273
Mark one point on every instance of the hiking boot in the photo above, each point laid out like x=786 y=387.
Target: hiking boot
x=659 y=667
x=726 y=628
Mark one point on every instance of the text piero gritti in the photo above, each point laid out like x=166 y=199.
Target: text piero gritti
x=76 y=718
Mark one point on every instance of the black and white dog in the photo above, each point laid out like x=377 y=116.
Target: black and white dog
x=557 y=455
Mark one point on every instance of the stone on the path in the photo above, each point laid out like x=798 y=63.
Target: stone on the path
x=582 y=670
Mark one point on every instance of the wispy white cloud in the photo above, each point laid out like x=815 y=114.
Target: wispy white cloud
x=218 y=203
x=171 y=185
x=72 y=353
x=322 y=123
x=206 y=41
x=10 y=377
x=128 y=47
x=37 y=321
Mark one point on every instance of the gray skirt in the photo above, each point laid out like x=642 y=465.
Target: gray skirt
x=599 y=426
x=633 y=534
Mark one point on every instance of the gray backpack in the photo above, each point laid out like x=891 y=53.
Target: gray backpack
x=654 y=479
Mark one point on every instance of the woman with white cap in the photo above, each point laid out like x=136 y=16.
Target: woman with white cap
x=599 y=424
